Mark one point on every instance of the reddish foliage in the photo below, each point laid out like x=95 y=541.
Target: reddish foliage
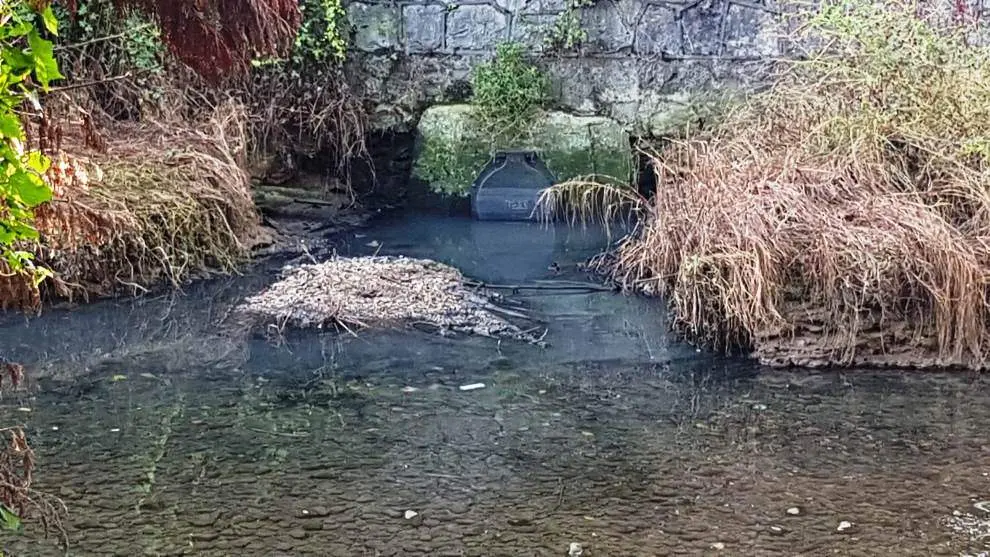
x=215 y=37
x=13 y=372
x=16 y=468
x=16 y=457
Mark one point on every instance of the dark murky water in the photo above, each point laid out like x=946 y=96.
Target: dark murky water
x=166 y=436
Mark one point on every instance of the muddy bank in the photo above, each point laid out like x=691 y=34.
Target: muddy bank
x=892 y=343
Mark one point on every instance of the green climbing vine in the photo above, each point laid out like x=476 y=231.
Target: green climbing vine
x=322 y=36
x=567 y=32
x=120 y=39
x=322 y=33
x=27 y=65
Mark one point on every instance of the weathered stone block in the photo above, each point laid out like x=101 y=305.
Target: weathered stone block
x=655 y=74
x=531 y=31
x=476 y=27
x=676 y=114
x=452 y=149
x=702 y=28
x=376 y=26
x=401 y=89
x=532 y=7
x=692 y=75
x=750 y=32
x=658 y=32
x=511 y=6
x=610 y=26
x=424 y=27
x=586 y=85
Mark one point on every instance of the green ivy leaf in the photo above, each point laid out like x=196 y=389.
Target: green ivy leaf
x=45 y=65
x=17 y=60
x=23 y=231
x=9 y=520
x=38 y=162
x=18 y=29
x=51 y=22
x=7 y=156
x=10 y=126
x=29 y=188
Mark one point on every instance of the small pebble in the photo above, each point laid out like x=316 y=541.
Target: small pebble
x=575 y=550
x=844 y=525
x=297 y=533
x=794 y=511
x=718 y=546
x=114 y=430
x=411 y=515
x=409 y=389
x=472 y=386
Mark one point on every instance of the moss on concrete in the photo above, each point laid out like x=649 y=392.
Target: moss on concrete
x=452 y=150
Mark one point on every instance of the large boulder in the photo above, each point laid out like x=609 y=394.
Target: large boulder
x=452 y=149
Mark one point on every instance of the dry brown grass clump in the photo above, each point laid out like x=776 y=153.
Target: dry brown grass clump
x=843 y=216
x=138 y=204
x=312 y=113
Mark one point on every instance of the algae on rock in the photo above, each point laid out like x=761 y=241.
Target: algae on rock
x=453 y=147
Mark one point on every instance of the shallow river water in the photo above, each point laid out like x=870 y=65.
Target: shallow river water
x=165 y=434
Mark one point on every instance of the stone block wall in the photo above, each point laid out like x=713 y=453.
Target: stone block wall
x=642 y=60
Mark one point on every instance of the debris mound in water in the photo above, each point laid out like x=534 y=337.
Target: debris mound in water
x=378 y=291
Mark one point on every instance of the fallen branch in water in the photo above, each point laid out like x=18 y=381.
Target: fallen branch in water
x=551 y=285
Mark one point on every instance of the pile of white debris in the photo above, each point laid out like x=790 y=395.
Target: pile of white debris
x=377 y=292
x=974 y=527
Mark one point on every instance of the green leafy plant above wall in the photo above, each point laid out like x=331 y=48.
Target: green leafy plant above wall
x=508 y=96
x=508 y=92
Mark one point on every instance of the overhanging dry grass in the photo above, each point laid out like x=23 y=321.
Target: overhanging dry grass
x=313 y=112
x=159 y=203
x=852 y=197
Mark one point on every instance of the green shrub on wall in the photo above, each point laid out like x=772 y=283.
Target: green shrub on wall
x=509 y=94
x=508 y=91
x=121 y=39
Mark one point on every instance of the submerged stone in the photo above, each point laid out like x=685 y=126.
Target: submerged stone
x=452 y=148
